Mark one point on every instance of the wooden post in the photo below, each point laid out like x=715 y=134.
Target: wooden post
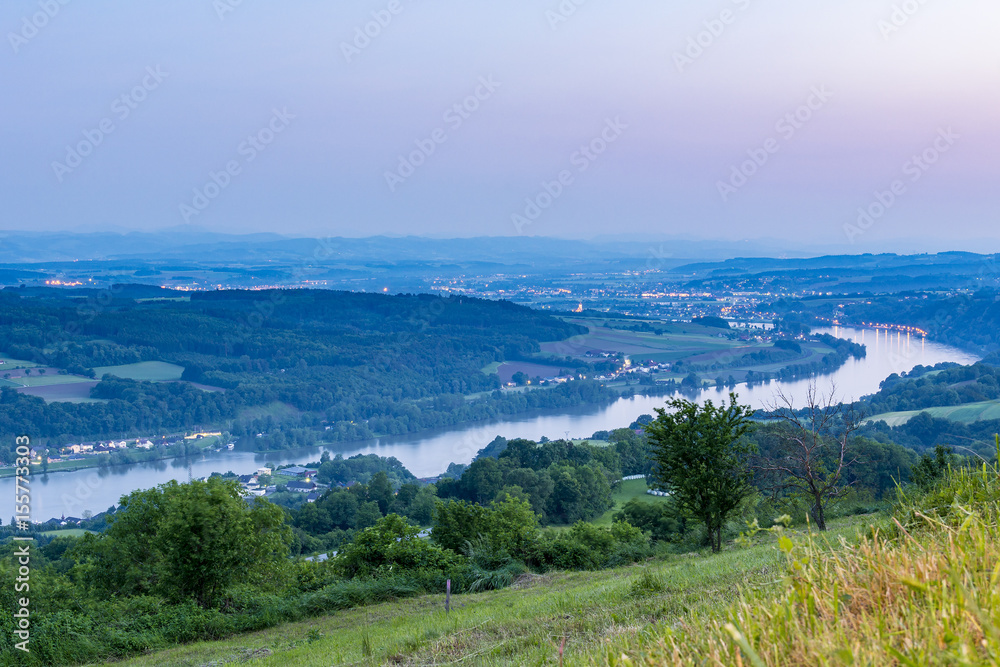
x=447 y=596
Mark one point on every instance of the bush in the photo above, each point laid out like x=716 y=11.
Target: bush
x=589 y=547
x=391 y=546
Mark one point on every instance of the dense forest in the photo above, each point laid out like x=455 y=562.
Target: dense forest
x=946 y=384
x=562 y=482
x=349 y=365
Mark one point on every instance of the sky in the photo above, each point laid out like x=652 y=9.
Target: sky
x=851 y=122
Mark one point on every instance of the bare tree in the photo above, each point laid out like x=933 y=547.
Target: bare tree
x=812 y=454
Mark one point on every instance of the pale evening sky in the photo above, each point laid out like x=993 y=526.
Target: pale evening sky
x=573 y=119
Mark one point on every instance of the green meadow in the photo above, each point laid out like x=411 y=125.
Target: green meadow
x=153 y=371
x=966 y=414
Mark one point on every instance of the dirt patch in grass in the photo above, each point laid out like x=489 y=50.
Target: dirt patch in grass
x=245 y=655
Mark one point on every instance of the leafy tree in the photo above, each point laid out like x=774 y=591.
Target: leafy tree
x=482 y=480
x=931 y=468
x=701 y=457
x=457 y=522
x=391 y=544
x=187 y=541
x=380 y=490
x=422 y=508
x=508 y=526
x=368 y=515
x=661 y=520
x=632 y=451
x=313 y=519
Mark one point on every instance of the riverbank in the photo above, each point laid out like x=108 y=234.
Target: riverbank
x=428 y=453
x=108 y=460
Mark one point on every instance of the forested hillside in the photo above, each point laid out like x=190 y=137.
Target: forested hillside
x=349 y=365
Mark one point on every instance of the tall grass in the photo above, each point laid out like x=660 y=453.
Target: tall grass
x=924 y=591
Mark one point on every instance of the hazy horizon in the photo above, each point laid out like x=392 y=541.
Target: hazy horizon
x=725 y=121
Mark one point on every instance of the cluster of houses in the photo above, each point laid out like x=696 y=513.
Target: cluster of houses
x=296 y=479
x=632 y=368
x=78 y=451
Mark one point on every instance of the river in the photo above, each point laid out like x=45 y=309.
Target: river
x=429 y=453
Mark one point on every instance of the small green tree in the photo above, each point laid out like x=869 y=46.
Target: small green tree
x=931 y=468
x=187 y=541
x=700 y=457
x=388 y=546
x=380 y=490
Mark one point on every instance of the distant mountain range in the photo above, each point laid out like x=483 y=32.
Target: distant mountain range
x=127 y=256
x=23 y=247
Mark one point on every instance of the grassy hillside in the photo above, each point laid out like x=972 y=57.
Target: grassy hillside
x=919 y=588
x=924 y=592
x=523 y=625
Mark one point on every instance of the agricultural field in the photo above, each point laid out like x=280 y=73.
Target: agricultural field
x=10 y=362
x=507 y=370
x=69 y=532
x=491 y=368
x=55 y=387
x=708 y=351
x=678 y=341
x=76 y=391
x=51 y=378
x=47 y=383
x=965 y=414
x=153 y=371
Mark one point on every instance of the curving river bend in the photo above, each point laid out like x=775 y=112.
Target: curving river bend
x=429 y=453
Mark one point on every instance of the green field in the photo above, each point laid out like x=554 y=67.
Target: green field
x=590 y=441
x=50 y=379
x=69 y=532
x=679 y=341
x=694 y=344
x=10 y=362
x=491 y=369
x=521 y=625
x=154 y=371
x=624 y=492
x=966 y=414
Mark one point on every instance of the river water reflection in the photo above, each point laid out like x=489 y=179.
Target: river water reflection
x=429 y=453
